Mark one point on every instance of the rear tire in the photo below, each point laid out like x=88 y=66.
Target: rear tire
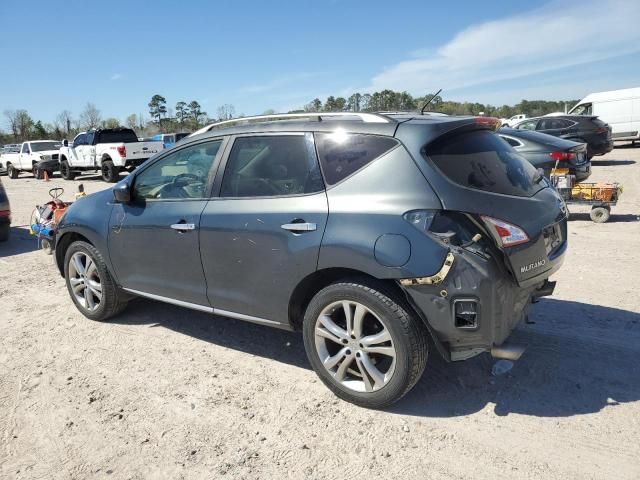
x=96 y=294
x=110 y=173
x=65 y=171
x=364 y=375
x=12 y=172
x=600 y=214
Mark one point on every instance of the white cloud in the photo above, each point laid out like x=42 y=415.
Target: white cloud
x=559 y=35
x=116 y=76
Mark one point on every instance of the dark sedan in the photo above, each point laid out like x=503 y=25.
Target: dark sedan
x=543 y=151
x=49 y=166
x=578 y=128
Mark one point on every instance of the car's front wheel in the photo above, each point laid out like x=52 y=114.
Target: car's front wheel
x=90 y=284
x=65 y=171
x=12 y=172
x=364 y=344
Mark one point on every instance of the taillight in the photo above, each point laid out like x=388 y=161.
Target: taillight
x=122 y=151
x=491 y=122
x=562 y=156
x=5 y=213
x=602 y=130
x=505 y=233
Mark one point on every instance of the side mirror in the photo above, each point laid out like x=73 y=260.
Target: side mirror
x=65 y=143
x=122 y=193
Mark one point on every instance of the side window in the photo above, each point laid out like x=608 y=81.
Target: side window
x=88 y=139
x=80 y=140
x=528 y=125
x=511 y=141
x=342 y=154
x=271 y=166
x=550 y=124
x=25 y=148
x=182 y=174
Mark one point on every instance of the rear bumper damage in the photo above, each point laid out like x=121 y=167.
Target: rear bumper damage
x=475 y=305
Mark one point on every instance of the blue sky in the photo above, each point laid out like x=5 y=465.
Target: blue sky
x=260 y=55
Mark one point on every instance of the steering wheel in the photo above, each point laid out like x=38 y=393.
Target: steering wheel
x=179 y=180
x=175 y=189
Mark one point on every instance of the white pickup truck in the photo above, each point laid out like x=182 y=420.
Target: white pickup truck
x=108 y=151
x=28 y=155
x=510 y=122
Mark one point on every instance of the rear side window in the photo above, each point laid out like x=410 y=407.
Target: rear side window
x=271 y=166
x=342 y=154
x=117 y=136
x=483 y=161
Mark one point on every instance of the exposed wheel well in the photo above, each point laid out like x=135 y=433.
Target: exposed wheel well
x=63 y=244
x=63 y=158
x=315 y=282
x=104 y=158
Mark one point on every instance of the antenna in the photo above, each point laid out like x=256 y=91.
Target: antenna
x=429 y=101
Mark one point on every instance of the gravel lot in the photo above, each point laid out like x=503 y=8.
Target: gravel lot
x=163 y=392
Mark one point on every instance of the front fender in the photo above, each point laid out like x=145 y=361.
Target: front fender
x=88 y=218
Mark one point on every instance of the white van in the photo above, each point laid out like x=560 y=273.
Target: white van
x=618 y=108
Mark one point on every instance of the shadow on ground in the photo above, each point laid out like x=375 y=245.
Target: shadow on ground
x=19 y=242
x=614 y=218
x=611 y=163
x=562 y=373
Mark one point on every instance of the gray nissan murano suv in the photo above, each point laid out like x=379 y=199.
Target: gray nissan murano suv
x=377 y=235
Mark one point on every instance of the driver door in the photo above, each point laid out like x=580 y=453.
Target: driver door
x=154 y=240
x=76 y=150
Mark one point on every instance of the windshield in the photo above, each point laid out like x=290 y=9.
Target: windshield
x=483 y=161
x=582 y=109
x=43 y=146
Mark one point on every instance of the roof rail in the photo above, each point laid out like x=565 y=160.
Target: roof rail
x=362 y=116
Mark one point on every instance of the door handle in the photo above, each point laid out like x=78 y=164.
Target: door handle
x=299 y=227
x=183 y=227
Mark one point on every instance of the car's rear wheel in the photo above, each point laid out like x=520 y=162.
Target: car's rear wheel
x=90 y=284
x=110 y=173
x=12 y=172
x=365 y=345
x=65 y=171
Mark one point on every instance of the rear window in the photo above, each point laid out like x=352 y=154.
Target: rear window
x=483 y=161
x=598 y=123
x=342 y=154
x=117 y=136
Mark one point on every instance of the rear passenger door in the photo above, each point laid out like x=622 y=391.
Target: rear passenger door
x=261 y=234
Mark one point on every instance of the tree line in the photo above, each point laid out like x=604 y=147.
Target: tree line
x=389 y=101
x=20 y=126
x=189 y=116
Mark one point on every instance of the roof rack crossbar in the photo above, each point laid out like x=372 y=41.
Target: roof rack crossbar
x=362 y=116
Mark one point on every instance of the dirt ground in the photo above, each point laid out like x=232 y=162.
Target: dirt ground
x=163 y=392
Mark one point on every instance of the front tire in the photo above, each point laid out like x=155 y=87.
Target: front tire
x=110 y=173
x=65 y=171
x=90 y=284
x=12 y=172
x=365 y=345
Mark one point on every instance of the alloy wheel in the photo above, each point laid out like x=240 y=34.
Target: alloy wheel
x=85 y=281
x=355 y=346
